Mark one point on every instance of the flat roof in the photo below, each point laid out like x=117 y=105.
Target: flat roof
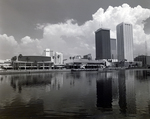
x=102 y=29
x=124 y=23
x=85 y=61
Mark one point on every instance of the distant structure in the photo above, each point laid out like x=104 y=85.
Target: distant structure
x=88 y=56
x=113 y=47
x=102 y=43
x=125 y=42
x=56 y=57
x=5 y=63
x=144 y=59
x=46 y=52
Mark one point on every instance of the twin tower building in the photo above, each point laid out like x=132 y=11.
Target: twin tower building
x=120 y=49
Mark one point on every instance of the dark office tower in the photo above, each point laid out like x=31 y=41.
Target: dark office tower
x=102 y=43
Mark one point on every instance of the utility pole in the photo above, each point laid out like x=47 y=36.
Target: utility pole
x=145 y=47
x=145 y=52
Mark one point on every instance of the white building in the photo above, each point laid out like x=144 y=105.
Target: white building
x=56 y=57
x=125 y=42
x=46 y=52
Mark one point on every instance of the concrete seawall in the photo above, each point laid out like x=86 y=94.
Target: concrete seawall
x=3 y=72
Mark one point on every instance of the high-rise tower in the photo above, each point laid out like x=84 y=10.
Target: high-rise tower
x=113 y=46
x=102 y=43
x=125 y=42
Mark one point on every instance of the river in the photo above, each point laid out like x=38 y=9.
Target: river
x=123 y=94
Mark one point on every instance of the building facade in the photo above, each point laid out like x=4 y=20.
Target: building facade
x=125 y=42
x=31 y=62
x=46 y=52
x=145 y=60
x=56 y=57
x=85 y=63
x=102 y=43
x=113 y=46
x=88 y=56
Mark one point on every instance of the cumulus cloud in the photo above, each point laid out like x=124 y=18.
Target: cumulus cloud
x=72 y=39
x=7 y=45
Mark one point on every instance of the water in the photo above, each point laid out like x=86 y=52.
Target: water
x=108 y=95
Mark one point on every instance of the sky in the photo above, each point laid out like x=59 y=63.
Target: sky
x=28 y=27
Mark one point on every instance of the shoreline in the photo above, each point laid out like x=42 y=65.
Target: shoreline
x=3 y=72
x=9 y=72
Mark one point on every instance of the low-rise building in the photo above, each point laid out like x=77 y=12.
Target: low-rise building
x=85 y=63
x=31 y=62
x=88 y=56
x=144 y=59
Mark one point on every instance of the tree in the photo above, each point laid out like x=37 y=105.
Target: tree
x=14 y=58
x=58 y=56
x=20 y=56
x=73 y=58
x=12 y=61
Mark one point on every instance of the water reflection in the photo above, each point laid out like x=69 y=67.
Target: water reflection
x=49 y=81
x=122 y=91
x=130 y=92
x=76 y=95
x=104 y=91
x=19 y=109
x=142 y=75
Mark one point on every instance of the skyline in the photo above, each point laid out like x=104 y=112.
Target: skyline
x=75 y=38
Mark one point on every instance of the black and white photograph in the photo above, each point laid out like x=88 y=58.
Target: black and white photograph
x=74 y=59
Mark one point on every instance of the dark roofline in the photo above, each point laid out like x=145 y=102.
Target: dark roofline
x=112 y=39
x=102 y=29
x=124 y=23
x=34 y=56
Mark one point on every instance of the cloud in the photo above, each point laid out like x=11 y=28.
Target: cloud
x=73 y=39
x=7 y=45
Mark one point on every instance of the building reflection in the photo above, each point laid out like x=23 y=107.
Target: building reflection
x=122 y=91
x=127 y=99
x=49 y=81
x=116 y=87
x=142 y=92
x=130 y=92
x=104 y=91
x=142 y=75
